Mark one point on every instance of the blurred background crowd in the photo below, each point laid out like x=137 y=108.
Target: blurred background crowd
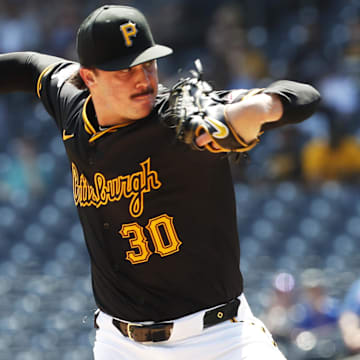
x=298 y=191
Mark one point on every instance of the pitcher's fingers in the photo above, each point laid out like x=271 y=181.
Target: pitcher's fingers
x=203 y=139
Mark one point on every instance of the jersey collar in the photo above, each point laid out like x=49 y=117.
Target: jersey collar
x=91 y=130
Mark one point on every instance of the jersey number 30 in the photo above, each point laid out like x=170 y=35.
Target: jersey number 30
x=163 y=236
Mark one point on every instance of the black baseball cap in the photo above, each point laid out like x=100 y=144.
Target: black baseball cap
x=115 y=37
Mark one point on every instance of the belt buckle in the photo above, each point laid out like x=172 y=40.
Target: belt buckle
x=129 y=331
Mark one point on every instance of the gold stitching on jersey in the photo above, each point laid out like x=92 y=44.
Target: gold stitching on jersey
x=167 y=224
x=91 y=130
x=140 y=251
x=43 y=73
x=87 y=124
x=110 y=129
x=132 y=186
x=65 y=136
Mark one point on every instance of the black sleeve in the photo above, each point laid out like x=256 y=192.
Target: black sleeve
x=299 y=102
x=20 y=70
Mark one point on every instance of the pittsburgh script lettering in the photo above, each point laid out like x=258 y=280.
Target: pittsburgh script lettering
x=132 y=186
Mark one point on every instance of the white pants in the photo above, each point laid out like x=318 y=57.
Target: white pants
x=245 y=339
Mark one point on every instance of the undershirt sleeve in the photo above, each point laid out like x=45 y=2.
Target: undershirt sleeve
x=299 y=102
x=20 y=70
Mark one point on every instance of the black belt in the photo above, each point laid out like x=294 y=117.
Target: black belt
x=162 y=331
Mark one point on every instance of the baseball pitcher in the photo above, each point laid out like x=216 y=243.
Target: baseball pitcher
x=153 y=188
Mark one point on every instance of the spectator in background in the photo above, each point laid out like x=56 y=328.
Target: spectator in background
x=225 y=32
x=285 y=160
x=349 y=321
x=235 y=63
x=335 y=158
x=352 y=49
x=61 y=37
x=279 y=312
x=23 y=173
x=340 y=92
x=19 y=27
x=315 y=310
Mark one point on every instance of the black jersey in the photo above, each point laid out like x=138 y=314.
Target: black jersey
x=158 y=218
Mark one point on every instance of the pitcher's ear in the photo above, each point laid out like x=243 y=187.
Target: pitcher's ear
x=88 y=76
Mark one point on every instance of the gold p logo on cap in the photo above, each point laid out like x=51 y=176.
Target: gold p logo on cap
x=128 y=30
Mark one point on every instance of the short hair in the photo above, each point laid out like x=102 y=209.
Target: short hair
x=76 y=80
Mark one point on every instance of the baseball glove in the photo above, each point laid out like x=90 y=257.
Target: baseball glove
x=194 y=108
